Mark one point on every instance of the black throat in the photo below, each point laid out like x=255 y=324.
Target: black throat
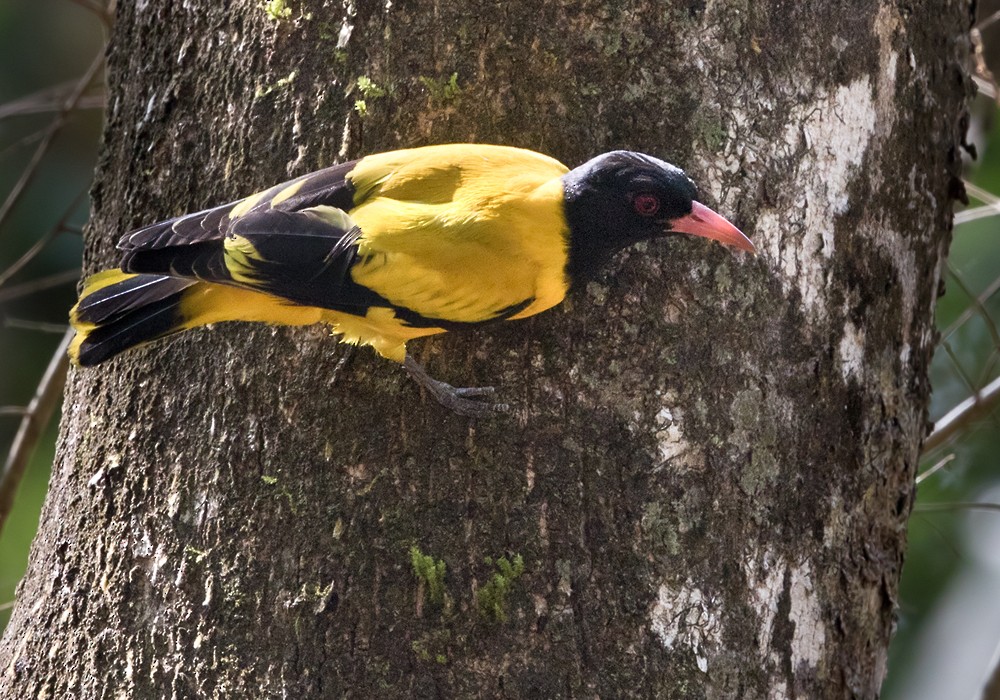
x=593 y=221
x=589 y=246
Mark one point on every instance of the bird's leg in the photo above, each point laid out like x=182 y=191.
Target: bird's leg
x=458 y=400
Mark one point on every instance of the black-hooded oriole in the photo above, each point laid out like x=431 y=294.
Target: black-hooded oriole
x=392 y=247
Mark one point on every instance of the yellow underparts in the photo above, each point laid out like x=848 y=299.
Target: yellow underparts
x=214 y=303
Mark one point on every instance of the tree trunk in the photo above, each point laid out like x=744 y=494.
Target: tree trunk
x=703 y=487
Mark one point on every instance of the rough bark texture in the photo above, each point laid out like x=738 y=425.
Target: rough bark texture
x=704 y=487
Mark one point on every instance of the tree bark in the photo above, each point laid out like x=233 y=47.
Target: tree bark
x=703 y=487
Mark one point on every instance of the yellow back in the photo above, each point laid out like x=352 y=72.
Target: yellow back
x=431 y=215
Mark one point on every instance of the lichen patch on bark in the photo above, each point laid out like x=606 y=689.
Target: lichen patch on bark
x=686 y=619
x=765 y=574
x=806 y=614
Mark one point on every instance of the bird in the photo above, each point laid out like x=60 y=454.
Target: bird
x=392 y=247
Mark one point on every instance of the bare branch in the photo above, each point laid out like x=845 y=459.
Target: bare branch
x=32 y=286
x=9 y=322
x=43 y=404
x=927 y=474
x=13 y=410
x=40 y=244
x=976 y=406
x=956 y=505
x=50 y=99
x=32 y=168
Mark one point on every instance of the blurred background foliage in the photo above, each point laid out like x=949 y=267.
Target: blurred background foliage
x=949 y=622
x=45 y=48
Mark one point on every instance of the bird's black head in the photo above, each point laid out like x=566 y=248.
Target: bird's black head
x=620 y=198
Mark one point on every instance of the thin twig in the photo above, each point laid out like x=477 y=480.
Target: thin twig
x=7 y=606
x=956 y=505
x=43 y=241
x=971 y=311
x=41 y=326
x=978 y=306
x=928 y=473
x=984 y=23
x=991 y=201
x=979 y=404
x=28 y=174
x=103 y=13
x=25 y=140
x=985 y=87
x=50 y=99
x=991 y=362
x=13 y=410
x=990 y=325
x=980 y=67
x=976 y=213
x=981 y=193
x=26 y=288
x=969 y=384
x=943 y=537
x=43 y=404
x=991 y=684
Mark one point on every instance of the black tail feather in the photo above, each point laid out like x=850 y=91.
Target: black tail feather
x=118 y=313
x=109 y=303
x=154 y=321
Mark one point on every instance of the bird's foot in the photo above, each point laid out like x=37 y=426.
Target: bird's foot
x=472 y=401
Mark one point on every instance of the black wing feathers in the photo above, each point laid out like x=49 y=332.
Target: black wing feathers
x=290 y=239
x=296 y=252
x=294 y=246
x=304 y=258
x=205 y=261
x=184 y=230
x=329 y=187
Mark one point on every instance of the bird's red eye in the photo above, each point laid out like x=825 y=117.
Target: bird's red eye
x=646 y=204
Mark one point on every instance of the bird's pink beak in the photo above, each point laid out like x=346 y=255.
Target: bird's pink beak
x=704 y=222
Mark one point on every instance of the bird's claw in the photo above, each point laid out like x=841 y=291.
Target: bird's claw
x=466 y=401
x=470 y=401
x=473 y=391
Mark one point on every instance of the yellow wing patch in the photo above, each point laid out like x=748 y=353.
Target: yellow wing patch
x=287 y=192
x=245 y=205
x=240 y=256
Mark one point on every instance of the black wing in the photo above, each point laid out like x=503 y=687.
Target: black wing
x=294 y=240
x=328 y=187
